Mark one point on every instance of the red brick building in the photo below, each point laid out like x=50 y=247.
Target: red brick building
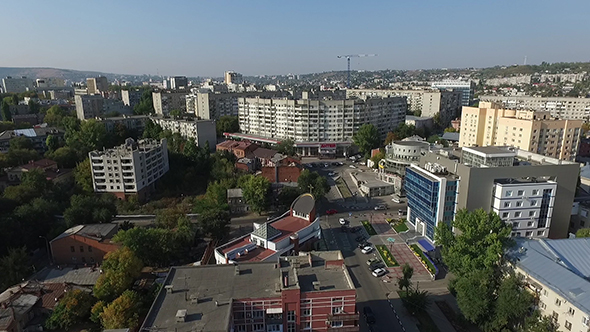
x=84 y=244
x=282 y=169
x=240 y=149
x=311 y=292
x=584 y=150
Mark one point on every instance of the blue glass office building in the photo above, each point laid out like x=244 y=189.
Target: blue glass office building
x=431 y=198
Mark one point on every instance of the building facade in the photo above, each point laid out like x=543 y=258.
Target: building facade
x=131 y=97
x=467 y=89
x=88 y=106
x=131 y=122
x=129 y=169
x=530 y=183
x=169 y=100
x=17 y=85
x=566 y=108
x=313 y=120
x=97 y=85
x=208 y=104
x=178 y=82
x=38 y=137
x=202 y=131
x=534 y=131
x=84 y=244
x=231 y=77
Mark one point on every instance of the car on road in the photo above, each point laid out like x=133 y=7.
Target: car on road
x=367 y=250
x=331 y=173
x=381 y=207
x=379 y=272
x=352 y=166
x=364 y=244
x=369 y=316
x=397 y=200
x=340 y=163
x=331 y=212
x=360 y=239
x=371 y=261
x=362 y=163
x=342 y=221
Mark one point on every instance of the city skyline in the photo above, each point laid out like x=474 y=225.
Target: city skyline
x=266 y=38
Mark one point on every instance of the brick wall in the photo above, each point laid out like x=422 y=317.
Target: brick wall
x=286 y=173
x=86 y=250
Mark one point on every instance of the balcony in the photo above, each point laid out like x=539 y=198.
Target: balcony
x=343 y=317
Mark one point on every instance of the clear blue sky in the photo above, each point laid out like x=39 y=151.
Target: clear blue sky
x=205 y=38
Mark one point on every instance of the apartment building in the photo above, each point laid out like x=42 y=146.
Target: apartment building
x=556 y=78
x=295 y=230
x=312 y=292
x=178 y=82
x=427 y=103
x=84 y=244
x=467 y=89
x=557 y=272
x=131 y=122
x=129 y=169
x=17 y=85
x=533 y=131
x=50 y=82
x=566 y=108
x=532 y=192
x=207 y=104
x=131 y=97
x=318 y=120
x=202 y=131
x=88 y=106
x=97 y=85
x=230 y=77
x=168 y=100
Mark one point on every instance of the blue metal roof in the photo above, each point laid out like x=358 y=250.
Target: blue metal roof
x=426 y=245
x=561 y=265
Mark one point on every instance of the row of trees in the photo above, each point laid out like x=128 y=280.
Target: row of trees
x=489 y=294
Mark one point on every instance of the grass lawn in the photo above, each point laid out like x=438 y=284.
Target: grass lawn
x=423 y=258
x=425 y=322
x=400 y=227
x=387 y=257
x=368 y=227
x=343 y=188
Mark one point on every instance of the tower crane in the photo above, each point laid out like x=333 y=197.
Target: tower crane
x=347 y=57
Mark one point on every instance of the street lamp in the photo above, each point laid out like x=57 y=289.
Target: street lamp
x=48 y=249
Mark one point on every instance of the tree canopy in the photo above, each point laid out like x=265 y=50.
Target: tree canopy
x=584 y=232
x=227 y=124
x=72 y=308
x=312 y=182
x=367 y=138
x=120 y=268
x=256 y=191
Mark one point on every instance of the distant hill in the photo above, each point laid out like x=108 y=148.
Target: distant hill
x=68 y=74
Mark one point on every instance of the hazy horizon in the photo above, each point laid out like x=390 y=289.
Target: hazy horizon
x=267 y=38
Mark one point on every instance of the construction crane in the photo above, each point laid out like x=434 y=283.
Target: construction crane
x=348 y=60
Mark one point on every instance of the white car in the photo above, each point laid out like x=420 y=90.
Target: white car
x=367 y=249
x=352 y=166
x=331 y=174
x=378 y=273
x=342 y=221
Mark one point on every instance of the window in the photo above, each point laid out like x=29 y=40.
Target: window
x=81 y=248
x=257 y=314
x=535 y=192
x=529 y=233
x=533 y=202
x=306 y=325
x=517 y=214
x=515 y=225
x=558 y=302
x=568 y=325
x=571 y=311
x=520 y=192
x=586 y=320
x=273 y=328
x=508 y=193
x=545 y=292
x=506 y=204
x=531 y=213
x=542 y=305
x=337 y=323
x=89 y=249
x=241 y=328
x=519 y=203
x=540 y=233
x=306 y=312
x=337 y=310
x=291 y=327
x=555 y=316
x=291 y=316
x=529 y=224
x=258 y=327
x=505 y=215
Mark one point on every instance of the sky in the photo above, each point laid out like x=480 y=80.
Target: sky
x=206 y=38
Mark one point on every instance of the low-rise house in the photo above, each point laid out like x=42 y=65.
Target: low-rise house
x=236 y=201
x=240 y=149
x=38 y=137
x=84 y=244
x=282 y=169
x=47 y=166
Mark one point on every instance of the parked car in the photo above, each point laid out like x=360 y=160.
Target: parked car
x=401 y=212
x=352 y=166
x=362 y=163
x=331 y=212
x=369 y=316
x=367 y=250
x=378 y=265
x=342 y=221
x=380 y=207
x=397 y=200
x=364 y=244
x=331 y=173
x=371 y=261
x=378 y=273
x=340 y=163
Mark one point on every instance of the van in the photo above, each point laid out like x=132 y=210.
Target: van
x=396 y=200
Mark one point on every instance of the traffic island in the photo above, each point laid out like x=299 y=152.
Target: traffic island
x=386 y=255
x=368 y=227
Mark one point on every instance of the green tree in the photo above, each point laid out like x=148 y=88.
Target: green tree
x=54 y=116
x=450 y=130
x=15 y=99
x=34 y=107
x=85 y=209
x=287 y=147
x=404 y=281
x=287 y=195
x=152 y=130
x=5 y=111
x=538 y=323
x=91 y=135
x=145 y=105
x=175 y=113
x=21 y=142
x=96 y=310
x=227 y=124
x=584 y=232
x=312 y=182
x=513 y=303
x=415 y=301
x=123 y=312
x=83 y=176
x=65 y=157
x=404 y=131
x=367 y=138
x=256 y=191
x=120 y=268
x=391 y=136
x=16 y=267
x=215 y=222
x=72 y=308
x=52 y=142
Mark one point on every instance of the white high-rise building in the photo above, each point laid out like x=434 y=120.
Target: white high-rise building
x=467 y=88
x=129 y=169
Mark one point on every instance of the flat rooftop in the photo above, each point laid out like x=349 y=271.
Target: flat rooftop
x=253 y=255
x=529 y=180
x=207 y=292
x=490 y=151
x=521 y=157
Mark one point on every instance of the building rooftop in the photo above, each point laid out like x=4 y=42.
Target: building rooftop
x=561 y=265
x=490 y=151
x=205 y=294
x=304 y=203
x=85 y=276
x=130 y=145
x=266 y=231
x=235 y=193
x=453 y=137
x=98 y=232
x=527 y=180
x=263 y=153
